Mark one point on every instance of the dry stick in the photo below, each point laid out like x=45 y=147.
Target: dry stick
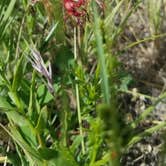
x=77 y=96
x=2 y=159
x=7 y=150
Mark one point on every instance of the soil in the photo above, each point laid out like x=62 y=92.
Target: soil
x=147 y=64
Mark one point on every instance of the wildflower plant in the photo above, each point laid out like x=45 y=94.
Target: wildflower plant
x=62 y=99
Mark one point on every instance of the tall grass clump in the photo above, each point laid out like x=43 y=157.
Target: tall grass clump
x=61 y=82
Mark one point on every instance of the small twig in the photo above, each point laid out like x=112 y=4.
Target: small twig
x=2 y=159
x=139 y=158
x=7 y=150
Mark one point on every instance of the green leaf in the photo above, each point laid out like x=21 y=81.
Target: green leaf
x=26 y=127
x=64 y=158
x=44 y=95
x=76 y=143
x=101 y=56
x=22 y=157
x=33 y=106
x=5 y=15
x=9 y=10
x=5 y=105
x=48 y=154
x=18 y=74
x=42 y=120
x=14 y=159
x=125 y=81
x=31 y=153
x=51 y=33
x=16 y=100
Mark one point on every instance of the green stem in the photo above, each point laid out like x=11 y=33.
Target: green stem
x=101 y=56
x=147 y=132
x=77 y=96
x=32 y=90
x=151 y=38
x=137 y=94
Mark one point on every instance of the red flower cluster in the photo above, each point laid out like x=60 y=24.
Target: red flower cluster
x=75 y=8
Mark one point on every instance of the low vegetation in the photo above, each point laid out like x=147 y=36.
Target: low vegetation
x=80 y=81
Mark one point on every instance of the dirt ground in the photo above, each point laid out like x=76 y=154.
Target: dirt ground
x=147 y=64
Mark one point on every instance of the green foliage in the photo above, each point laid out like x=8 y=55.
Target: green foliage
x=80 y=123
x=6 y=8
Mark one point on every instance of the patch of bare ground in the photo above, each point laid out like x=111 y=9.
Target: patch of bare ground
x=146 y=62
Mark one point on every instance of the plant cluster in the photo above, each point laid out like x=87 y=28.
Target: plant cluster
x=62 y=83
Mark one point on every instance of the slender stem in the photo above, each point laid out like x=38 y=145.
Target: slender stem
x=146 y=132
x=77 y=96
x=150 y=38
x=3 y=159
x=137 y=94
x=31 y=99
